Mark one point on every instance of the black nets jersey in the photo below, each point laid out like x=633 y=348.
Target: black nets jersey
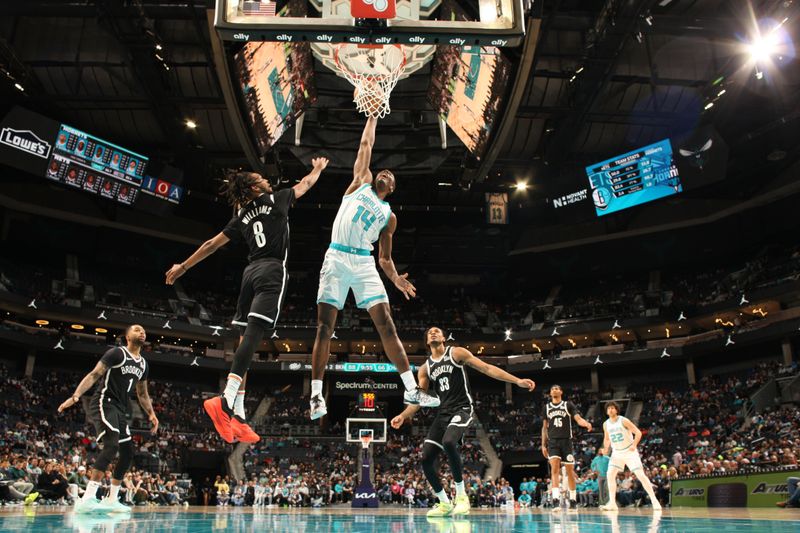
x=559 y=418
x=119 y=382
x=264 y=225
x=450 y=383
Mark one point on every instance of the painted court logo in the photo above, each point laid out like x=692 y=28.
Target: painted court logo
x=25 y=140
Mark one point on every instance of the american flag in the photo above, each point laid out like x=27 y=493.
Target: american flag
x=263 y=8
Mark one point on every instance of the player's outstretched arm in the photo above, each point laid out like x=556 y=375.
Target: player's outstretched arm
x=387 y=263
x=147 y=404
x=86 y=383
x=318 y=164
x=361 y=172
x=207 y=248
x=463 y=356
x=408 y=413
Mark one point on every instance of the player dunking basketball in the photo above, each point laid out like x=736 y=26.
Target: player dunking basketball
x=121 y=370
x=557 y=434
x=446 y=371
x=363 y=218
x=621 y=436
x=262 y=219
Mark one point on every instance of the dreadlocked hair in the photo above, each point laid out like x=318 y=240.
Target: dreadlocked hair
x=236 y=187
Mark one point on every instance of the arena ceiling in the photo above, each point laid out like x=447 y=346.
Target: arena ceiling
x=599 y=76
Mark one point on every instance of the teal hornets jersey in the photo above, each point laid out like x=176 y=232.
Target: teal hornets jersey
x=618 y=434
x=361 y=218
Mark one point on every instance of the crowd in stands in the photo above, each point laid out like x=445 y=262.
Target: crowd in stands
x=700 y=430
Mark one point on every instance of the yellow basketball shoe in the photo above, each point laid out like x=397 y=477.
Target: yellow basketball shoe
x=441 y=509
x=462 y=505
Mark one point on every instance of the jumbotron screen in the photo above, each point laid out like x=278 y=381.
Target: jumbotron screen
x=277 y=84
x=634 y=178
x=467 y=86
x=86 y=162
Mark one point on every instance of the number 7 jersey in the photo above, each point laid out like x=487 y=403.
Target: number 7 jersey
x=361 y=218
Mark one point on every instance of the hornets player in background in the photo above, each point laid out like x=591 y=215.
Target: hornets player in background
x=557 y=436
x=262 y=221
x=621 y=436
x=120 y=371
x=446 y=371
x=363 y=218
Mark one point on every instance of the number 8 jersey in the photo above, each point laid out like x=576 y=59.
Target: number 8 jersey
x=264 y=224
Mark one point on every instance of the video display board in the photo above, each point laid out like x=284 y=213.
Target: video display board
x=634 y=178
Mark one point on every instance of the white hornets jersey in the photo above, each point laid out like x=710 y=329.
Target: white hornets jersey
x=360 y=220
x=618 y=434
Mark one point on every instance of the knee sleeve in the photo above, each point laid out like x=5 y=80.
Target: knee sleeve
x=125 y=460
x=429 y=453
x=253 y=335
x=109 y=451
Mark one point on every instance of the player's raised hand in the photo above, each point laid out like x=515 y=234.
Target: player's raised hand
x=175 y=272
x=405 y=286
x=320 y=163
x=397 y=421
x=69 y=402
x=154 y=423
x=527 y=384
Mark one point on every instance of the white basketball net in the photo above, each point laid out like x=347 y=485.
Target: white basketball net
x=373 y=71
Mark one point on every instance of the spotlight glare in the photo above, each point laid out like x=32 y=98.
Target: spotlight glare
x=19 y=87
x=721 y=93
x=762 y=47
x=521 y=185
x=191 y=124
x=709 y=105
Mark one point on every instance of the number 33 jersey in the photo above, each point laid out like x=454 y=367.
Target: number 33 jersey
x=450 y=382
x=124 y=372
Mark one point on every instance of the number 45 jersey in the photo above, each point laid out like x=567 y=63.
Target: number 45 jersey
x=348 y=263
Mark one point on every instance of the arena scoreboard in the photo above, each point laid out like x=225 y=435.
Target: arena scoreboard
x=634 y=178
x=85 y=162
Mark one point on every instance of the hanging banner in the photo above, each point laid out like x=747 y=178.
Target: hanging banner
x=497 y=208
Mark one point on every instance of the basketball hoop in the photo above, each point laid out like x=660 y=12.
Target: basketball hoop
x=365 y=435
x=373 y=70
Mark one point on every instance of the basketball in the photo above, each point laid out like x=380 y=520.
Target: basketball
x=370 y=102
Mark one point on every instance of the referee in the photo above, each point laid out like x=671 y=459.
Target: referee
x=262 y=221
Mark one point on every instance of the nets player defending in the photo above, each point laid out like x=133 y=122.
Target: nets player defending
x=621 y=436
x=121 y=370
x=262 y=219
x=557 y=421
x=445 y=371
x=363 y=218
